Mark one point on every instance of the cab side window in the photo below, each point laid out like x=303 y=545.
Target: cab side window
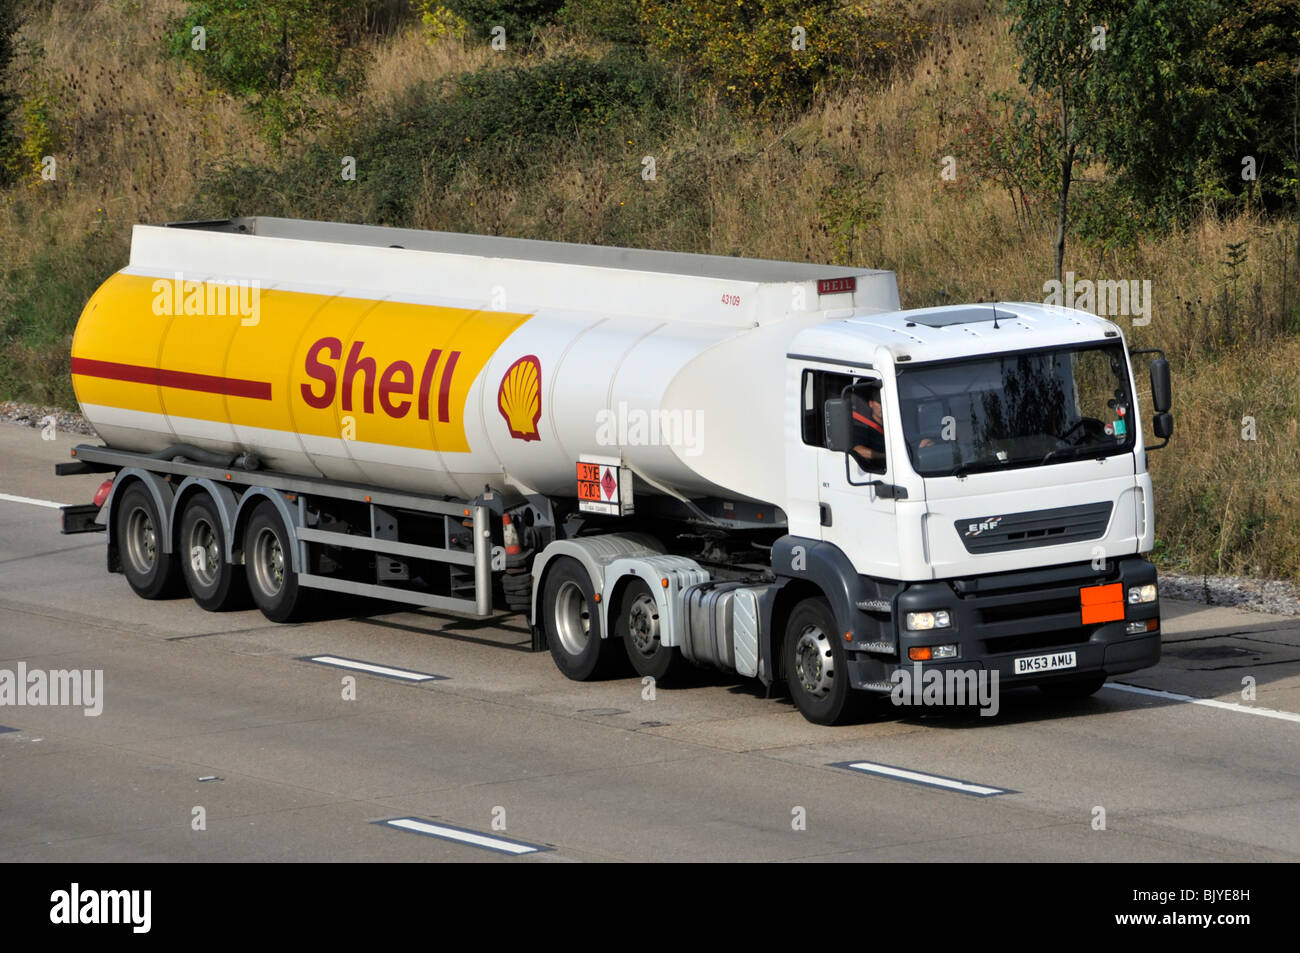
x=868 y=421
x=818 y=387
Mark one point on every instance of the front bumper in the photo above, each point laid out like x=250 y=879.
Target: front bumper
x=999 y=618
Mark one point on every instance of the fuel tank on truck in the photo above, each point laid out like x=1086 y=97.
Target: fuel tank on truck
x=437 y=363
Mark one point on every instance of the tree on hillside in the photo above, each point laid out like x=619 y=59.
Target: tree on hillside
x=1062 y=43
x=276 y=54
x=9 y=20
x=1166 y=126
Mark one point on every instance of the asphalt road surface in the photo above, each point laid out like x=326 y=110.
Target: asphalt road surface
x=221 y=740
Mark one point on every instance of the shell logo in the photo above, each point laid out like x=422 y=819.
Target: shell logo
x=519 y=398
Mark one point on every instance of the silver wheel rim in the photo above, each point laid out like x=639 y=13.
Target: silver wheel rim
x=141 y=540
x=204 y=553
x=572 y=618
x=813 y=662
x=643 y=625
x=268 y=562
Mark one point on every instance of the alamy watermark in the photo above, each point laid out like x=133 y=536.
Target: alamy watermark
x=76 y=688
x=1104 y=297
x=633 y=427
x=211 y=297
x=942 y=687
x=130 y=907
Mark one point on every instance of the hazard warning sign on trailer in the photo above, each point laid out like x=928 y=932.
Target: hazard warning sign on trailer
x=604 y=487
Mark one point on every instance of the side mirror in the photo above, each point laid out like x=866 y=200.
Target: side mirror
x=1161 y=394
x=1163 y=425
x=838 y=419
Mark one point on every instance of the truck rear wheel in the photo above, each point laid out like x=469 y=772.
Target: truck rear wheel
x=636 y=622
x=215 y=584
x=571 y=621
x=816 y=668
x=151 y=572
x=268 y=565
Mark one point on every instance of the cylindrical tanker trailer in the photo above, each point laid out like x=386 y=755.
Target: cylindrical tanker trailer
x=762 y=466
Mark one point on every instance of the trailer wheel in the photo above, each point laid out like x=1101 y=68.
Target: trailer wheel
x=215 y=584
x=816 y=668
x=1073 y=688
x=571 y=621
x=636 y=622
x=151 y=572
x=268 y=565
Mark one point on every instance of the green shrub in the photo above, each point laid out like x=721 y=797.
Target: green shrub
x=500 y=126
x=39 y=307
x=618 y=21
x=276 y=54
x=519 y=17
x=748 y=48
x=9 y=22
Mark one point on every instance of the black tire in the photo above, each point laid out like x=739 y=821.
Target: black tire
x=268 y=565
x=213 y=583
x=815 y=665
x=517 y=590
x=137 y=529
x=571 y=621
x=1070 y=689
x=636 y=623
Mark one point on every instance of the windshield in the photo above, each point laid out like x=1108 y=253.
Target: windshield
x=1016 y=410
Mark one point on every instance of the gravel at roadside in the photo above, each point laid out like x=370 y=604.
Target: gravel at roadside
x=29 y=415
x=1239 y=592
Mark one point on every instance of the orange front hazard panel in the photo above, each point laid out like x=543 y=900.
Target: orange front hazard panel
x=1102 y=603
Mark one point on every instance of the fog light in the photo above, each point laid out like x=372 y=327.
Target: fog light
x=1138 y=628
x=920 y=621
x=927 y=653
x=1138 y=594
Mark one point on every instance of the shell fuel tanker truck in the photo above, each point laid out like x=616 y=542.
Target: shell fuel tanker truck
x=761 y=466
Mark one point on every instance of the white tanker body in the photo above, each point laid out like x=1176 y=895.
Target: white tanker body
x=763 y=466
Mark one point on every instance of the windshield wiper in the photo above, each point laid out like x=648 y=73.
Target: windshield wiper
x=1098 y=450
x=977 y=466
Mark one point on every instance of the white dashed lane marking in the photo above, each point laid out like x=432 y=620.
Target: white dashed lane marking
x=463 y=836
x=919 y=777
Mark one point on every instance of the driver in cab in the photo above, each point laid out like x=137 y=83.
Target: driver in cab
x=869 y=431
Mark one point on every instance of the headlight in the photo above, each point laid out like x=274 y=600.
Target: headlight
x=919 y=621
x=1138 y=594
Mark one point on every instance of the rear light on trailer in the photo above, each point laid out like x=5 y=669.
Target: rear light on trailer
x=101 y=494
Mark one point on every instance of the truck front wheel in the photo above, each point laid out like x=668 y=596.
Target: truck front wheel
x=268 y=565
x=571 y=620
x=815 y=665
x=151 y=572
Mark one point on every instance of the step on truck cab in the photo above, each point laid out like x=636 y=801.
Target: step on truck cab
x=763 y=467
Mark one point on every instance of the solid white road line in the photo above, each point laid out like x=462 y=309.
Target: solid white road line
x=932 y=780
x=1207 y=702
x=401 y=673
x=31 y=502
x=465 y=837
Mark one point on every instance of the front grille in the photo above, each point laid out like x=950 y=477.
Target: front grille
x=1062 y=524
x=1060 y=638
x=1030 y=609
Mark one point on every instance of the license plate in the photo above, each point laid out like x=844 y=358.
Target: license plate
x=1032 y=664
